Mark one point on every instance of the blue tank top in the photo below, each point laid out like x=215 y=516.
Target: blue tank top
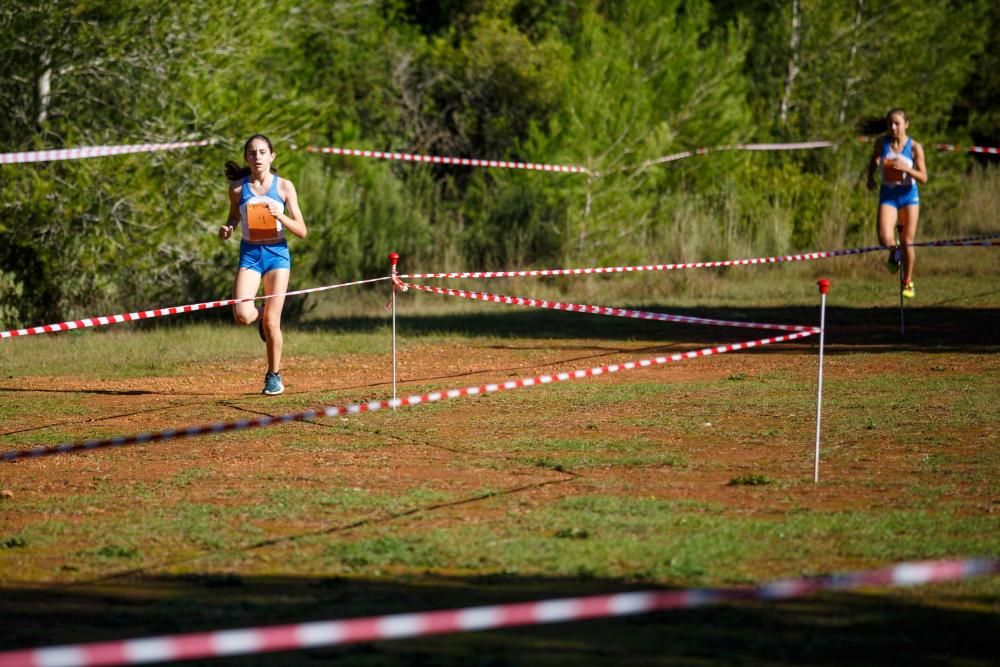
x=256 y=221
x=892 y=176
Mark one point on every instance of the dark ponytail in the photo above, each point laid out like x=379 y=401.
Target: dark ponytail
x=235 y=172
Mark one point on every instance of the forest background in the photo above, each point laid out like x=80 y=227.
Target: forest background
x=604 y=84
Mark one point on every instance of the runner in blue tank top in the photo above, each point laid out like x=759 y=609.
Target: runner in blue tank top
x=902 y=166
x=258 y=202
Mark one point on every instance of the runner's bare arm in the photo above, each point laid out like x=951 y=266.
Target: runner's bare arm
x=873 y=163
x=226 y=230
x=293 y=221
x=919 y=169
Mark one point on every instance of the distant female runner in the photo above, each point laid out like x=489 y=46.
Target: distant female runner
x=258 y=201
x=902 y=162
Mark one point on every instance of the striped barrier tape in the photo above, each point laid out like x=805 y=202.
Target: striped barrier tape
x=175 y=310
x=372 y=406
x=970 y=241
x=94 y=151
x=438 y=159
x=573 y=169
x=646 y=267
x=989 y=150
x=800 y=145
x=273 y=638
x=945 y=147
x=794 y=146
x=955 y=243
x=605 y=310
x=161 y=312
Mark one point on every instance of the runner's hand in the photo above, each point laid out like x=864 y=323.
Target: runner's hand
x=225 y=231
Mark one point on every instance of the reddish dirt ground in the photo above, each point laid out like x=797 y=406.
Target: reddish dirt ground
x=855 y=474
x=476 y=451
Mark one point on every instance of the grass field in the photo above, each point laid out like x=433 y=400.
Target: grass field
x=697 y=473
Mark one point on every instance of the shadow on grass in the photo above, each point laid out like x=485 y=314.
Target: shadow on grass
x=927 y=329
x=829 y=629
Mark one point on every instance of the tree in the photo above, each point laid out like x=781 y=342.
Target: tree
x=78 y=233
x=841 y=62
x=649 y=78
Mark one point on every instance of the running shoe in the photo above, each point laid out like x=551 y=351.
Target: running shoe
x=273 y=384
x=260 y=324
x=893 y=263
x=909 y=291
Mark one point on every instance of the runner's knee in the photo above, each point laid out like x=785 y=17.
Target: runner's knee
x=244 y=315
x=272 y=321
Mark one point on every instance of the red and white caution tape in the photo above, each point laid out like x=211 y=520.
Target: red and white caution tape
x=334 y=411
x=647 y=267
x=794 y=146
x=573 y=169
x=605 y=310
x=161 y=312
x=269 y=639
x=94 y=151
x=400 y=285
x=970 y=241
x=803 y=145
x=460 y=161
x=989 y=150
x=956 y=243
x=800 y=145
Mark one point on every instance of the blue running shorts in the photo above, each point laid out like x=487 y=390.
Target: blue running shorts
x=265 y=257
x=899 y=196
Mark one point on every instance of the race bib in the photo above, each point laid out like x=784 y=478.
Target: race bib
x=890 y=174
x=261 y=224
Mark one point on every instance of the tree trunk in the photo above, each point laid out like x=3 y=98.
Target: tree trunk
x=44 y=89
x=793 y=64
x=851 y=79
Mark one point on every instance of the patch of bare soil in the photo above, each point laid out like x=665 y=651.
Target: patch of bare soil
x=448 y=449
x=469 y=461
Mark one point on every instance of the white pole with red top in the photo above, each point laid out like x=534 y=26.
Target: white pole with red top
x=393 y=260
x=824 y=287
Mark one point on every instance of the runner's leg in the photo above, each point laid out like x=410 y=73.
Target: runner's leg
x=275 y=282
x=909 y=218
x=247 y=283
x=887 y=216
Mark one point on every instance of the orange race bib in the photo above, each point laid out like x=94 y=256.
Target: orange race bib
x=260 y=223
x=889 y=172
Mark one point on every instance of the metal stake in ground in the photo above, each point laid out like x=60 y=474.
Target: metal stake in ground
x=902 y=277
x=393 y=260
x=824 y=287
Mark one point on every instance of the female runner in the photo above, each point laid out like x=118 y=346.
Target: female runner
x=903 y=166
x=264 y=206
